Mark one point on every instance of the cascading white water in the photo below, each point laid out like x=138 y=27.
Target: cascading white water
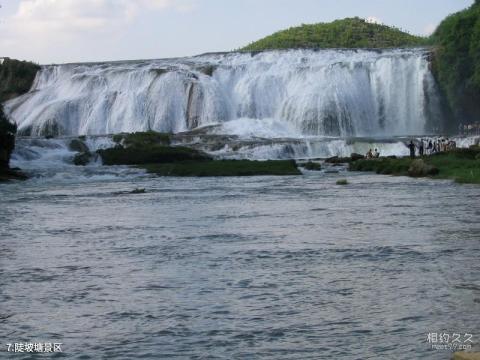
x=307 y=92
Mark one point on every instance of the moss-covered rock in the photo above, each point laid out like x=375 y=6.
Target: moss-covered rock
x=149 y=151
x=149 y=155
x=83 y=158
x=418 y=168
x=312 y=166
x=78 y=146
x=344 y=160
x=225 y=168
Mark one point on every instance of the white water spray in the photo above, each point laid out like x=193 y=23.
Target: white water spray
x=328 y=92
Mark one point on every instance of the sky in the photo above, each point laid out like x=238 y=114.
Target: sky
x=60 y=31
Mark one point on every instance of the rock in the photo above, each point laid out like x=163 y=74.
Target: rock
x=78 y=146
x=418 y=168
x=82 y=159
x=332 y=172
x=342 y=182
x=312 y=166
x=138 y=191
x=207 y=69
x=12 y=174
x=355 y=157
x=344 y=160
x=338 y=160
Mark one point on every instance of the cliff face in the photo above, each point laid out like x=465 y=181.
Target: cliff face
x=16 y=78
x=7 y=139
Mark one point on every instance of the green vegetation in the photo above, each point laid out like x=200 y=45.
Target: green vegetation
x=150 y=150
x=225 y=168
x=16 y=78
x=147 y=148
x=456 y=62
x=149 y=155
x=461 y=165
x=346 y=33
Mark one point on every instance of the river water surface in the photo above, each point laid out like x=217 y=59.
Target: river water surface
x=239 y=268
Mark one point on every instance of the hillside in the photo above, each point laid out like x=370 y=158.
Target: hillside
x=456 y=62
x=346 y=33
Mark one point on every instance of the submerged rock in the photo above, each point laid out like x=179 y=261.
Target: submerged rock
x=138 y=191
x=418 y=168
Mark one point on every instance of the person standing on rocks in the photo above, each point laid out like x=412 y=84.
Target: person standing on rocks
x=411 y=146
x=421 y=148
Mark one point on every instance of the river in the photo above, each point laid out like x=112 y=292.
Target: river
x=238 y=268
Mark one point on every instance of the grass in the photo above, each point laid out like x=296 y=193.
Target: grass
x=224 y=168
x=345 y=33
x=461 y=165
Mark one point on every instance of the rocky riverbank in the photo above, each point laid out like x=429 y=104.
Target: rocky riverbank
x=461 y=165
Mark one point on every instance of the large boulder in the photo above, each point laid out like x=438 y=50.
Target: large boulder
x=83 y=158
x=312 y=166
x=78 y=146
x=355 y=156
x=419 y=168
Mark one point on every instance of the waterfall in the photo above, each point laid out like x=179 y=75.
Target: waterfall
x=318 y=93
